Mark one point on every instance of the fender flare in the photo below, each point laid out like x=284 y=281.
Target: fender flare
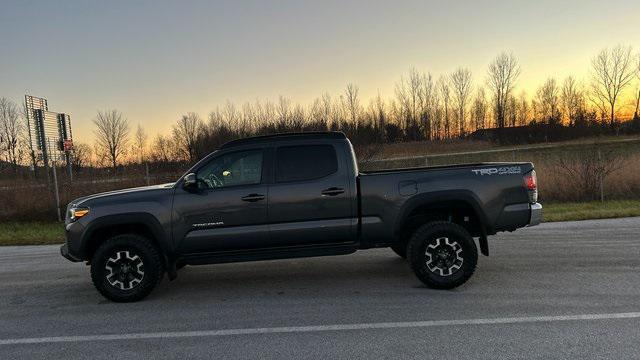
x=416 y=201
x=135 y=218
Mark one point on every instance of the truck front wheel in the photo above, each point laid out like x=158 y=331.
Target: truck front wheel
x=442 y=255
x=126 y=268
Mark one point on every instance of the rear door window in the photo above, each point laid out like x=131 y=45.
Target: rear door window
x=305 y=162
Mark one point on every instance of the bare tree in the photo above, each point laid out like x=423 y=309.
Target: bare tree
x=445 y=96
x=379 y=113
x=112 y=136
x=248 y=119
x=479 y=109
x=461 y=84
x=82 y=156
x=11 y=131
x=298 y=119
x=161 y=148
x=316 y=115
x=572 y=99
x=283 y=112
x=410 y=95
x=548 y=99
x=140 y=143
x=428 y=103
x=511 y=112
x=185 y=134
x=523 y=110
x=230 y=116
x=265 y=113
x=352 y=103
x=612 y=71
x=327 y=109
x=503 y=73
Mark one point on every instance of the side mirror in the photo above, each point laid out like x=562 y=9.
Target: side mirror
x=190 y=182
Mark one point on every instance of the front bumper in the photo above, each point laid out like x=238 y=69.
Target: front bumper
x=64 y=251
x=536 y=214
x=72 y=248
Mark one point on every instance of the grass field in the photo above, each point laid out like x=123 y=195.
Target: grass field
x=31 y=233
x=591 y=210
x=41 y=233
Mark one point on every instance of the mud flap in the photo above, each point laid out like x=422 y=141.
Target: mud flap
x=484 y=245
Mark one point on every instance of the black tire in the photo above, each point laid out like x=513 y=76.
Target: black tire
x=126 y=268
x=452 y=255
x=400 y=248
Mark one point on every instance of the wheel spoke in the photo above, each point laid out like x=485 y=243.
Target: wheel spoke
x=125 y=270
x=444 y=256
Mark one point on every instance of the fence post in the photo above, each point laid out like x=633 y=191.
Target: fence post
x=67 y=156
x=426 y=161
x=146 y=166
x=55 y=185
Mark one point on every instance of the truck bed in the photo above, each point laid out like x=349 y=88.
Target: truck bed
x=493 y=191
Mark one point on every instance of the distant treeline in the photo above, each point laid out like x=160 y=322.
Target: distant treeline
x=193 y=138
x=543 y=132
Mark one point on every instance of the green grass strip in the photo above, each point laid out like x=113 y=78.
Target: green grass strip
x=41 y=233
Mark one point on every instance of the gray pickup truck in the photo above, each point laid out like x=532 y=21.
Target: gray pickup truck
x=297 y=195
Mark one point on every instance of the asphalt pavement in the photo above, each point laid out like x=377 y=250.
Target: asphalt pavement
x=558 y=290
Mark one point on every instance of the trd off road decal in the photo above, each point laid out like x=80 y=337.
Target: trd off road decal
x=505 y=170
x=217 y=223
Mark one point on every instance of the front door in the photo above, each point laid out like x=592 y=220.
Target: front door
x=228 y=211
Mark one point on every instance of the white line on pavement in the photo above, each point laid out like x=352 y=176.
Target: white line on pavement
x=319 y=328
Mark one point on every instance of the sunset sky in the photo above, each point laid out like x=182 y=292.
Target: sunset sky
x=156 y=60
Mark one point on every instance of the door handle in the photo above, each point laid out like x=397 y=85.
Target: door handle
x=253 y=197
x=332 y=191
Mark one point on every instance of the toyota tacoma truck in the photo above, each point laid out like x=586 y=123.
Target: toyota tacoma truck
x=297 y=195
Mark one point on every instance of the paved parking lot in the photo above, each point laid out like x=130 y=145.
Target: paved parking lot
x=558 y=290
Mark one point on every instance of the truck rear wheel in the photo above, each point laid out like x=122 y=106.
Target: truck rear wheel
x=126 y=268
x=442 y=255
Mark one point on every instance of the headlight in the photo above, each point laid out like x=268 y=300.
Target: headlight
x=76 y=213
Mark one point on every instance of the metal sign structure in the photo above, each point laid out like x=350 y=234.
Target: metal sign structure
x=50 y=132
x=50 y=138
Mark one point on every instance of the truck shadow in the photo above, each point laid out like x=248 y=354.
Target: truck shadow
x=337 y=274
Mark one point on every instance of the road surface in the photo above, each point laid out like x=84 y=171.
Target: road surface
x=558 y=290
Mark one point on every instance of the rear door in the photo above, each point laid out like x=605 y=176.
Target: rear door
x=310 y=200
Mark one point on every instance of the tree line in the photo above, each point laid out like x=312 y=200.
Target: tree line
x=423 y=108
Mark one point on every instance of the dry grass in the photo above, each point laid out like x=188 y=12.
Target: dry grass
x=417 y=148
x=557 y=185
x=443 y=147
